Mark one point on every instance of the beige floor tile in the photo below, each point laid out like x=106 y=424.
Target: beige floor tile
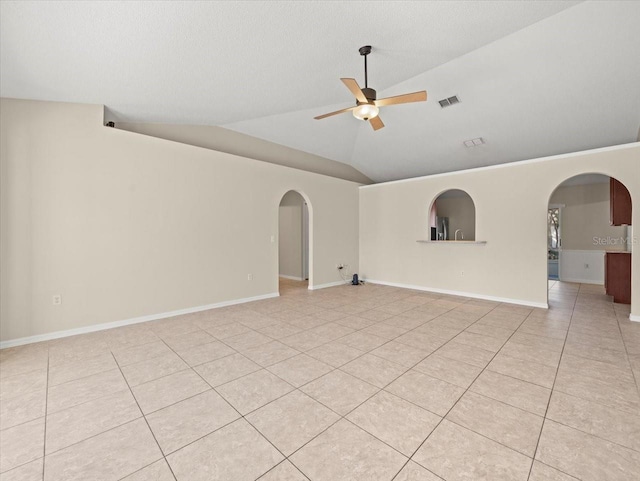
x=23 y=408
x=182 y=423
x=280 y=330
x=532 y=354
x=292 y=421
x=247 y=340
x=491 y=331
x=346 y=453
x=158 y=471
x=254 y=390
x=374 y=370
x=183 y=342
x=428 y=392
x=613 y=392
x=270 y=353
x=226 y=369
x=620 y=427
x=510 y=426
x=529 y=371
x=285 y=471
x=194 y=356
x=85 y=389
x=617 y=358
x=470 y=354
x=397 y=422
x=168 y=390
x=70 y=371
x=362 y=341
x=487 y=343
x=113 y=454
x=14 y=386
x=449 y=370
x=596 y=369
x=455 y=454
x=145 y=371
x=340 y=391
x=401 y=354
x=335 y=354
x=32 y=471
x=420 y=340
x=224 y=455
x=21 y=444
x=300 y=369
x=131 y=355
x=82 y=421
x=584 y=456
x=224 y=331
x=517 y=393
x=415 y=472
x=532 y=340
x=542 y=472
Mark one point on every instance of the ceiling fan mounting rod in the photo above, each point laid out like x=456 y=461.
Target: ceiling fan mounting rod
x=364 y=51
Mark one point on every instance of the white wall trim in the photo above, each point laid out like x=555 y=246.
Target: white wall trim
x=136 y=320
x=633 y=317
x=329 y=284
x=581 y=281
x=293 y=278
x=506 y=164
x=541 y=305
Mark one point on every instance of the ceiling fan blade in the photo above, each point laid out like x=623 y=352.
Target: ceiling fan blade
x=353 y=86
x=319 y=117
x=403 y=99
x=376 y=122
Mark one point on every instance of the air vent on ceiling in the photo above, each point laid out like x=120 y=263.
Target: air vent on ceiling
x=474 y=142
x=449 y=101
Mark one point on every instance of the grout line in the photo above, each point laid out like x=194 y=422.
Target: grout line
x=554 y=383
x=145 y=419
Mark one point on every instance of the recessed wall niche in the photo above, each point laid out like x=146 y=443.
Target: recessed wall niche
x=452 y=217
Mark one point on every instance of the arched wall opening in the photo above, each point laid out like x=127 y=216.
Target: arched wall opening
x=589 y=234
x=452 y=217
x=295 y=251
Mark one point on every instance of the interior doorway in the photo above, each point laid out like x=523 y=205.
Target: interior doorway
x=294 y=238
x=589 y=237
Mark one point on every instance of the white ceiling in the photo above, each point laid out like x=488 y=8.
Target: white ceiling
x=534 y=78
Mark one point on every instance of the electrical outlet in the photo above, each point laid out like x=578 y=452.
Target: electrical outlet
x=273 y=239
x=586 y=266
x=57 y=299
x=249 y=277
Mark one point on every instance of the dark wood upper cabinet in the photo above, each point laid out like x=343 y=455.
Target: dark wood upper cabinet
x=620 y=203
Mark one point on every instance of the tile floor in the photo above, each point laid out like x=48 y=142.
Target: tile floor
x=348 y=383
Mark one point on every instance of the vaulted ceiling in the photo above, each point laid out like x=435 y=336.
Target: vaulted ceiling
x=534 y=78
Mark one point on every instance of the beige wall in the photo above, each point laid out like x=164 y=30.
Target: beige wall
x=290 y=235
x=225 y=140
x=461 y=213
x=124 y=225
x=585 y=215
x=511 y=207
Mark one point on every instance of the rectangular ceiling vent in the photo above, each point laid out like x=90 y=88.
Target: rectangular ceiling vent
x=474 y=142
x=449 y=101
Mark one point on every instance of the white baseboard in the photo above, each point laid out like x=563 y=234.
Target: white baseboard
x=330 y=284
x=136 y=320
x=541 y=305
x=293 y=278
x=582 y=281
x=633 y=317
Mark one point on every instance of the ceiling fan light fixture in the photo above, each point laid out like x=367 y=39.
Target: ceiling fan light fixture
x=366 y=111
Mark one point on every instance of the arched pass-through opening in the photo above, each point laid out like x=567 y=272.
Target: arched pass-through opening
x=589 y=237
x=452 y=217
x=295 y=250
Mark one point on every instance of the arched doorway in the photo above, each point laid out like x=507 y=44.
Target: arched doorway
x=294 y=241
x=588 y=235
x=452 y=216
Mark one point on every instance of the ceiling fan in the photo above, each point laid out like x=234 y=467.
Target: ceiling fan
x=367 y=107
